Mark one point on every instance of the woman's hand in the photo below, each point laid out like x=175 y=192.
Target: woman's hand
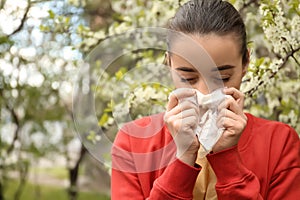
x=232 y=118
x=182 y=118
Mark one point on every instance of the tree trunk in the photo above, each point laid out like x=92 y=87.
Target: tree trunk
x=23 y=177
x=73 y=175
x=1 y=192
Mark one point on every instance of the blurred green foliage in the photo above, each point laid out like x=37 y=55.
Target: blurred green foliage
x=32 y=191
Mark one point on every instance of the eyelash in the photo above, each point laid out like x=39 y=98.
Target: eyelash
x=194 y=80
x=225 y=79
x=190 y=80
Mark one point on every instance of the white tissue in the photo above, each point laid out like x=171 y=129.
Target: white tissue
x=207 y=130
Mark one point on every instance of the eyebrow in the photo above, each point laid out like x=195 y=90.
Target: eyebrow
x=186 y=69
x=219 y=68
x=223 y=67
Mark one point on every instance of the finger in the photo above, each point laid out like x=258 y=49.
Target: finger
x=224 y=102
x=231 y=114
x=179 y=94
x=181 y=115
x=226 y=122
x=188 y=113
x=173 y=101
x=183 y=124
x=185 y=105
x=225 y=113
x=231 y=104
x=190 y=122
x=236 y=94
x=227 y=119
x=182 y=93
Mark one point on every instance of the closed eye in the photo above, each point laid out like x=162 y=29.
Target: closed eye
x=223 y=79
x=189 y=80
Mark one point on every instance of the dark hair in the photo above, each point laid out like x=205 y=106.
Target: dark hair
x=211 y=16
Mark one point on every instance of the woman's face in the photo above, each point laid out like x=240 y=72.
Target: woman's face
x=225 y=53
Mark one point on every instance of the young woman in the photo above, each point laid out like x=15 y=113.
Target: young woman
x=156 y=157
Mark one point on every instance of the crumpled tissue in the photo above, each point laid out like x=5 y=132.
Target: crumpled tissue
x=207 y=130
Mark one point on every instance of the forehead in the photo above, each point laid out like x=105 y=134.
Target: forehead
x=220 y=50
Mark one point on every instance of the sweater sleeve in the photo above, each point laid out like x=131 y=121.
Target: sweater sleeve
x=235 y=181
x=285 y=180
x=176 y=182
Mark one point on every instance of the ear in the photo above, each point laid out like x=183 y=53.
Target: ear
x=245 y=67
x=167 y=59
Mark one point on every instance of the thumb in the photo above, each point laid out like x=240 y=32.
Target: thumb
x=173 y=101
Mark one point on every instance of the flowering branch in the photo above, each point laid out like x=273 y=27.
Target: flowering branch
x=285 y=59
x=22 y=20
x=246 y=5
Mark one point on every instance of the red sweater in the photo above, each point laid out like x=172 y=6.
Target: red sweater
x=264 y=165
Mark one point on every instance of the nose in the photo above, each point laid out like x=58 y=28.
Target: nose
x=207 y=85
x=202 y=87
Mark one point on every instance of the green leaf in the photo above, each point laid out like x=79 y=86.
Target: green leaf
x=44 y=28
x=67 y=20
x=93 y=137
x=232 y=1
x=120 y=73
x=103 y=119
x=51 y=14
x=5 y=39
x=259 y=61
x=156 y=86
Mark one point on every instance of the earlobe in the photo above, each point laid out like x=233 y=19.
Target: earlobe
x=245 y=67
x=167 y=59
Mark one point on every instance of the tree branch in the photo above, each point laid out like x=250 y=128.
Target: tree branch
x=262 y=82
x=296 y=60
x=245 y=5
x=22 y=20
x=16 y=133
x=2 y=3
x=42 y=1
x=16 y=121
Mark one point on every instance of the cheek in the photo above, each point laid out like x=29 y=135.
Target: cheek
x=235 y=81
x=177 y=81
